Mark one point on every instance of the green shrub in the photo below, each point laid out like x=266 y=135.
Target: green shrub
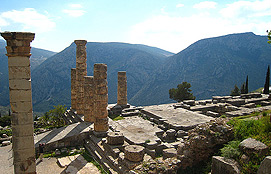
x=118 y=118
x=231 y=150
x=8 y=132
x=5 y=121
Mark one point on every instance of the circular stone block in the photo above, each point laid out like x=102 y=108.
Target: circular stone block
x=134 y=153
x=115 y=138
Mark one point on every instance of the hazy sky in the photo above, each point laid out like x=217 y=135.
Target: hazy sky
x=168 y=24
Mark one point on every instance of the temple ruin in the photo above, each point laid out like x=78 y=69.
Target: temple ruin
x=157 y=139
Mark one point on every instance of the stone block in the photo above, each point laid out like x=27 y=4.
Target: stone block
x=21 y=106
x=265 y=167
x=169 y=153
x=23 y=142
x=20 y=95
x=251 y=145
x=20 y=72
x=101 y=127
x=134 y=153
x=22 y=154
x=6 y=143
x=22 y=130
x=115 y=138
x=22 y=118
x=20 y=84
x=221 y=166
x=27 y=166
x=18 y=61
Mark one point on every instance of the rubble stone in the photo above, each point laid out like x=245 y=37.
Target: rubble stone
x=265 y=167
x=251 y=145
x=221 y=166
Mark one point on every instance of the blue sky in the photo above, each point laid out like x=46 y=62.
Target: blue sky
x=168 y=24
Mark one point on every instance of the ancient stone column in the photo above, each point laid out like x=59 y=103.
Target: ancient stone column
x=81 y=71
x=100 y=98
x=88 y=99
x=18 y=52
x=122 y=88
x=73 y=88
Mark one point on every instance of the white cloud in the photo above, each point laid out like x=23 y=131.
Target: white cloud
x=29 y=19
x=74 y=13
x=246 y=9
x=3 y=22
x=75 y=5
x=75 y=10
x=205 y=5
x=179 y=5
x=176 y=33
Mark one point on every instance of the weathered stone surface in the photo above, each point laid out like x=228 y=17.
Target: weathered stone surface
x=169 y=135
x=81 y=71
x=251 y=145
x=5 y=143
x=169 y=153
x=89 y=99
x=122 y=88
x=134 y=153
x=100 y=98
x=181 y=134
x=265 y=167
x=221 y=166
x=73 y=88
x=189 y=102
x=18 y=52
x=115 y=138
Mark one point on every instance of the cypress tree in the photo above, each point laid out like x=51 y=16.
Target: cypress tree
x=243 y=89
x=267 y=81
x=246 y=87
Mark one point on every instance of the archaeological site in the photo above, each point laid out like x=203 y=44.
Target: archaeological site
x=164 y=138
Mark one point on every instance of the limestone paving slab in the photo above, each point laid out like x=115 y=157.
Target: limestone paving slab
x=135 y=129
x=178 y=117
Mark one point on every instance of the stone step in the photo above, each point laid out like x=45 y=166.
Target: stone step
x=101 y=156
x=75 y=117
x=67 y=118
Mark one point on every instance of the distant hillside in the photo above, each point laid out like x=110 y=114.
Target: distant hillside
x=51 y=80
x=213 y=66
x=38 y=56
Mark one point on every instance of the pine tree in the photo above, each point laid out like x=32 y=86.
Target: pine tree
x=267 y=81
x=235 y=91
x=246 y=87
x=243 y=89
x=182 y=92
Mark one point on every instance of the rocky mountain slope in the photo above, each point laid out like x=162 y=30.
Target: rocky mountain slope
x=213 y=66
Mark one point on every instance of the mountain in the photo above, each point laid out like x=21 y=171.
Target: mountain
x=213 y=66
x=38 y=56
x=51 y=80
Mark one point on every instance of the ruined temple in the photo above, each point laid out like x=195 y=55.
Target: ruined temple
x=154 y=139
